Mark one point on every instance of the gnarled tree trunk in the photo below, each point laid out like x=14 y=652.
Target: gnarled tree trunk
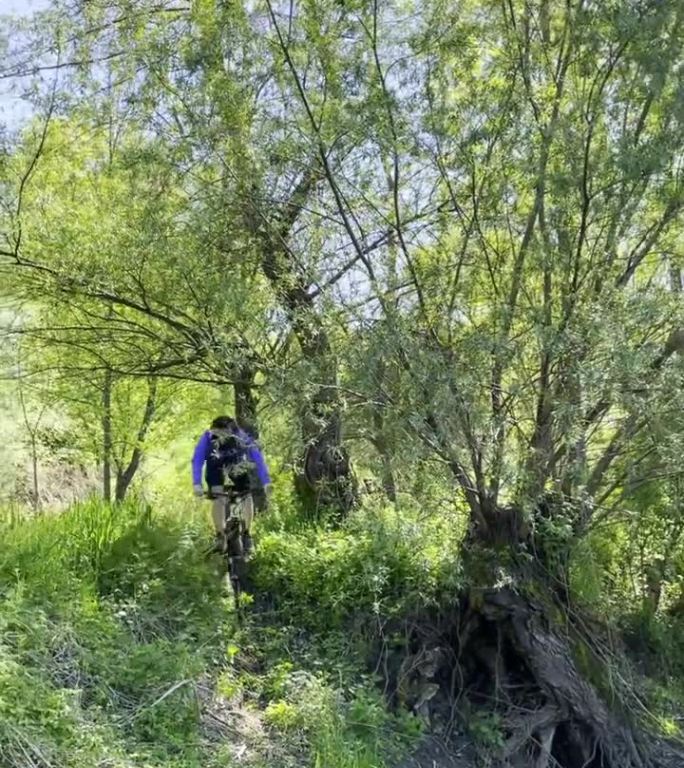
x=246 y=400
x=554 y=717
x=516 y=655
x=326 y=478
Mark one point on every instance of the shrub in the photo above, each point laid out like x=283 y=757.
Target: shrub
x=376 y=564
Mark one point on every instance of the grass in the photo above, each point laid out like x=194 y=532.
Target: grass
x=118 y=647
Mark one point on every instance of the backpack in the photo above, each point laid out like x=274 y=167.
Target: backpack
x=227 y=451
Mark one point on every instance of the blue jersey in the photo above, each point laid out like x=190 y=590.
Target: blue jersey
x=227 y=453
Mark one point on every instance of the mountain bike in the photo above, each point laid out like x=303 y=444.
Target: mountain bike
x=231 y=545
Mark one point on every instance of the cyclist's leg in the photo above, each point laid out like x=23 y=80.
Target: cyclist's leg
x=242 y=486
x=218 y=509
x=247 y=520
x=259 y=498
x=241 y=542
x=218 y=514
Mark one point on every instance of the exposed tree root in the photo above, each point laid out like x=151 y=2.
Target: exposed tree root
x=586 y=733
x=504 y=651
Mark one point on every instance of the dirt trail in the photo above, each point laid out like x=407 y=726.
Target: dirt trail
x=436 y=753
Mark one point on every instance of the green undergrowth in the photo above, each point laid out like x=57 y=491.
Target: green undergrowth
x=119 y=646
x=643 y=651
x=381 y=564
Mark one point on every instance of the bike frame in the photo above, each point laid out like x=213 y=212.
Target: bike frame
x=233 y=529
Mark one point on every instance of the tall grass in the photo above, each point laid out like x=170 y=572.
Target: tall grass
x=102 y=611
x=116 y=641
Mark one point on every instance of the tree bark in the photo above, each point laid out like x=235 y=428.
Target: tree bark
x=326 y=479
x=515 y=654
x=124 y=476
x=246 y=400
x=107 y=441
x=387 y=480
x=34 y=466
x=32 y=429
x=379 y=438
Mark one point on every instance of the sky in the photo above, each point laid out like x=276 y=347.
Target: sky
x=21 y=6
x=13 y=111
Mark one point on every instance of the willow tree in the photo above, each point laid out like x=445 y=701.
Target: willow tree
x=118 y=262
x=526 y=163
x=200 y=80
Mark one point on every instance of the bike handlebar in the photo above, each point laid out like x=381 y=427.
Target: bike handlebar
x=225 y=494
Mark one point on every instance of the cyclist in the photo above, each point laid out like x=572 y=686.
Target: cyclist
x=225 y=449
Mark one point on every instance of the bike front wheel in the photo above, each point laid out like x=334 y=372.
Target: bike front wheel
x=235 y=557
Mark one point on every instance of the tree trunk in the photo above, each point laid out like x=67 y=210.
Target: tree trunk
x=516 y=649
x=246 y=401
x=508 y=652
x=653 y=588
x=387 y=480
x=125 y=475
x=326 y=478
x=107 y=442
x=389 y=485
x=32 y=429
x=122 y=484
x=35 y=493
x=565 y=718
x=379 y=438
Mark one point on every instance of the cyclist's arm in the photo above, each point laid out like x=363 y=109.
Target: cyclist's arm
x=199 y=456
x=257 y=457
